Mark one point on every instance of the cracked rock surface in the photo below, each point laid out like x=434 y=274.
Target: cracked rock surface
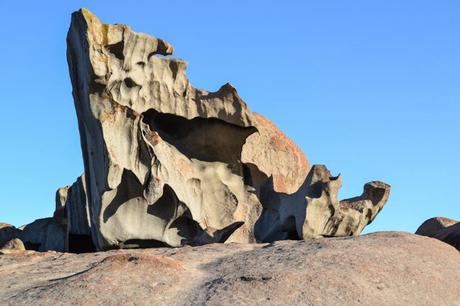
x=387 y=268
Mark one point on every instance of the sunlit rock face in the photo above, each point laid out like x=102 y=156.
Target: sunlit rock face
x=169 y=164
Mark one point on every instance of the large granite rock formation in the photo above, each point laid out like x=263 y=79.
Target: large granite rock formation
x=444 y=229
x=169 y=163
x=377 y=269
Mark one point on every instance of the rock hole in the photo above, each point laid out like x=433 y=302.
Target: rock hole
x=205 y=139
x=117 y=50
x=130 y=83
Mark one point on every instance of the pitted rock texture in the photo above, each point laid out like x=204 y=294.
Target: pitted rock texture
x=167 y=163
x=387 y=268
x=444 y=229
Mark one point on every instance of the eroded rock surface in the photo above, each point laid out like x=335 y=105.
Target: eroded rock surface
x=7 y=232
x=314 y=210
x=167 y=163
x=170 y=164
x=379 y=269
x=41 y=235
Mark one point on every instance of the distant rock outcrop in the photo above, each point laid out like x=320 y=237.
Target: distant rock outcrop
x=169 y=164
x=41 y=235
x=444 y=229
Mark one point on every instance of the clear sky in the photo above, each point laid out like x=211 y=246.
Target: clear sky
x=369 y=88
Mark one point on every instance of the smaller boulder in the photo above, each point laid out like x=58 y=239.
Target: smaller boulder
x=8 y=232
x=45 y=235
x=432 y=226
x=444 y=229
x=15 y=244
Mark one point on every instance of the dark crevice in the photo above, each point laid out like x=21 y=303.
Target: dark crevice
x=96 y=87
x=289 y=229
x=187 y=228
x=32 y=246
x=130 y=83
x=253 y=176
x=166 y=206
x=205 y=139
x=81 y=244
x=174 y=66
x=142 y=244
x=117 y=50
x=162 y=49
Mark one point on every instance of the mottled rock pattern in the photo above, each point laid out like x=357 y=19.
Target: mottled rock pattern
x=444 y=229
x=168 y=163
x=379 y=269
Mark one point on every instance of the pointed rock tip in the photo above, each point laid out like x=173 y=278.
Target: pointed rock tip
x=88 y=15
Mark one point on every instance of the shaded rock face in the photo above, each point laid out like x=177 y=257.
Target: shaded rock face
x=444 y=229
x=41 y=235
x=167 y=163
x=387 y=268
x=7 y=232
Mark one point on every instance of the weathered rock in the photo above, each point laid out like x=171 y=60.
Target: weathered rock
x=169 y=163
x=444 y=229
x=432 y=226
x=270 y=153
x=15 y=244
x=314 y=210
x=41 y=235
x=379 y=269
x=8 y=232
x=44 y=234
x=72 y=210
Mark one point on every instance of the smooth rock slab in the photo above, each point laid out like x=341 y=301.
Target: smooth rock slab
x=387 y=268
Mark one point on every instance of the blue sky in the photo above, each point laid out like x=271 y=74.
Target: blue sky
x=369 y=88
